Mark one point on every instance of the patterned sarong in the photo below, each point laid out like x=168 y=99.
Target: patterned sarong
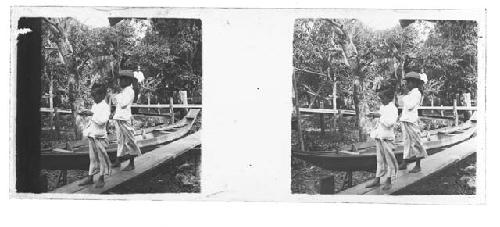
x=413 y=145
x=99 y=160
x=125 y=139
x=387 y=164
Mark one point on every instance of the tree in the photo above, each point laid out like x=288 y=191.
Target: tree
x=75 y=56
x=451 y=57
x=74 y=49
x=170 y=53
x=347 y=52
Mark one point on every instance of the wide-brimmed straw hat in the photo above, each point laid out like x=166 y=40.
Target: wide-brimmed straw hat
x=126 y=73
x=413 y=75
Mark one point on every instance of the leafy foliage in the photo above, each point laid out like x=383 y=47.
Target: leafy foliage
x=168 y=51
x=355 y=56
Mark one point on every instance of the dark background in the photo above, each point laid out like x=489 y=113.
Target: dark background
x=28 y=106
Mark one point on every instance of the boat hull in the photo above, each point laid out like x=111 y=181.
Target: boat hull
x=366 y=159
x=78 y=159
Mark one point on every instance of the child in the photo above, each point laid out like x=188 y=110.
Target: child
x=97 y=135
x=127 y=146
x=387 y=164
x=413 y=146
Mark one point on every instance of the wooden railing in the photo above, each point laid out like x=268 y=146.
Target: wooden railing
x=351 y=112
x=153 y=106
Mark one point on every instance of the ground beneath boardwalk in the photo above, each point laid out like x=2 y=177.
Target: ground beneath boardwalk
x=459 y=179
x=306 y=177
x=53 y=176
x=180 y=175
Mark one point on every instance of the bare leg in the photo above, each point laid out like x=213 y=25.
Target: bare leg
x=403 y=165
x=417 y=168
x=116 y=163
x=387 y=184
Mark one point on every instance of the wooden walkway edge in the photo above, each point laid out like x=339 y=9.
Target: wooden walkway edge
x=430 y=165
x=143 y=163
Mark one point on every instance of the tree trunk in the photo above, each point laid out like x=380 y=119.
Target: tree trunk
x=360 y=108
x=297 y=112
x=351 y=59
x=334 y=101
x=67 y=57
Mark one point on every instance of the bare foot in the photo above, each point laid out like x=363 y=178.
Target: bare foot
x=373 y=184
x=415 y=169
x=386 y=186
x=128 y=168
x=87 y=181
x=100 y=182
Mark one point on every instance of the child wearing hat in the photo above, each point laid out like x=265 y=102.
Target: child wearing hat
x=387 y=164
x=97 y=136
x=127 y=146
x=413 y=145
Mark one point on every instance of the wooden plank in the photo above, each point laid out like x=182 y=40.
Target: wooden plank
x=473 y=108
x=430 y=165
x=166 y=106
x=143 y=164
x=352 y=112
x=326 y=111
x=160 y=106
x=50 y=110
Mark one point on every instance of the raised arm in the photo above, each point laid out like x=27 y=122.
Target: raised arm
x=125 y=98
x=411 y=100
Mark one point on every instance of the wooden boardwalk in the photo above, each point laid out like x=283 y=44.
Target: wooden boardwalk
x=143 y=164
x=430 y=165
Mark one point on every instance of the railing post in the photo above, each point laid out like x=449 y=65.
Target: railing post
x=468 y=103
x=432 y=104
x=172 y=117
x=184 y=99
x=56 y=123
x=322 y=118
x=455 y=112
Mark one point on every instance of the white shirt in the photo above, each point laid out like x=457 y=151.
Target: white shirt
x=96 y=127
x=423 y=77
x=411 y=102
x=139 y=76
x=387 y=121
x=124 y=100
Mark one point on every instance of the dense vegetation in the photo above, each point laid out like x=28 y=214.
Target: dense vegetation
x=75 y=56
x=339 y=60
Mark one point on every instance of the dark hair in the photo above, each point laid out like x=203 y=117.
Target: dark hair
x=387 y=88
x=98 y=92
x=419 y=83
x=128 y=81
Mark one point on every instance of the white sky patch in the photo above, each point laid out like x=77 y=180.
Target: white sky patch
x=94 y=20
x=379 y=21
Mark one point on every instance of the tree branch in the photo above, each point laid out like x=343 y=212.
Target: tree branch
x=311 y=72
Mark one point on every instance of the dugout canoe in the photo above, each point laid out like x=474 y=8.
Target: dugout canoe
x=362 y=156
x=78 y=158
